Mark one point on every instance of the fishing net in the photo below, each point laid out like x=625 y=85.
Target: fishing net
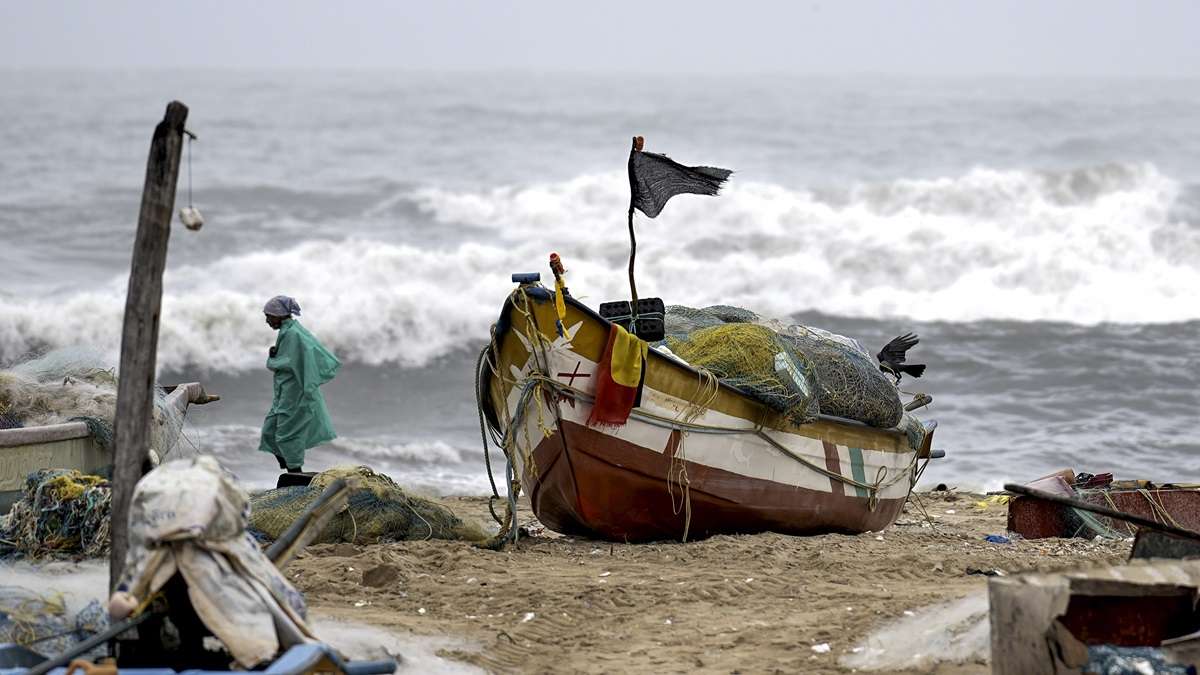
x=72 y=384
x=844 y=376
x=378 y=510
x=682 y=321
x=62 y=514
x=43 y=623
x=754 y=359
x=851 y=385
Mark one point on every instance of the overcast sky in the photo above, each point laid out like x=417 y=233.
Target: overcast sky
x=943 y=37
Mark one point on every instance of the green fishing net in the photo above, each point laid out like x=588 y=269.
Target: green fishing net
x=378 y=510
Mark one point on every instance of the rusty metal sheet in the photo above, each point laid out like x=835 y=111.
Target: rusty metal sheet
x=1036 y=519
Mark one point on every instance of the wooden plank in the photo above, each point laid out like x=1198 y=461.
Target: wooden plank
x=139 y=337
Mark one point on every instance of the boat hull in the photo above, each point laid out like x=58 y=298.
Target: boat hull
x=608 y=488
x=692 y=461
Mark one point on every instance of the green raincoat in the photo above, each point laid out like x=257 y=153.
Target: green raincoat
x=298 y=419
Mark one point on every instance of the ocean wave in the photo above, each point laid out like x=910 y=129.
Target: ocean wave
x=1091 y=245
x=239 y=441
x=1099 y=244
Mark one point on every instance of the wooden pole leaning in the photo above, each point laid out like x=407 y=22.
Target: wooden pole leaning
x=139 y=336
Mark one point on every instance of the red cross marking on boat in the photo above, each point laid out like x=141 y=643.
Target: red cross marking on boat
x=574 y=375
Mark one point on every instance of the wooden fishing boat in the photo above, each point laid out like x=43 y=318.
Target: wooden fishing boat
x=70 y=445
x=696 y=458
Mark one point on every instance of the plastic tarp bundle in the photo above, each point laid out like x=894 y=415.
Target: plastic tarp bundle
x=76 y=384
x=63 y=514
x=378 y=510
x=190 y=517
x=741 y=348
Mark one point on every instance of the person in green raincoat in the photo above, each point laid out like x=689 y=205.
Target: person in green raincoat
x=298 y=419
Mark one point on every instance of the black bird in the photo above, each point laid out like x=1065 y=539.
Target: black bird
x=891 y=357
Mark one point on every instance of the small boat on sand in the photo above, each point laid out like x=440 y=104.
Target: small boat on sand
x=69 y=445
x=696 y=458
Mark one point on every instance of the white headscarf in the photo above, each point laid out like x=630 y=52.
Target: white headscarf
x=282 y=306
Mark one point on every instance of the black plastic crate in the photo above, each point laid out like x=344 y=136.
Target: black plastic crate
x=651 y=317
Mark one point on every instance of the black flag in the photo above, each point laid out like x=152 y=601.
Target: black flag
x=655 y=178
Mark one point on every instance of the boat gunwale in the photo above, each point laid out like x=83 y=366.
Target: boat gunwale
x=46 y=433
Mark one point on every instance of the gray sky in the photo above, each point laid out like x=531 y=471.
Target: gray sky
x=942 y=37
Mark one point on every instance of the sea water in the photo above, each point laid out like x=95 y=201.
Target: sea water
x=1041 y=235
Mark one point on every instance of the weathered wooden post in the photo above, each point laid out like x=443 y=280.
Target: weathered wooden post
x=139 y=337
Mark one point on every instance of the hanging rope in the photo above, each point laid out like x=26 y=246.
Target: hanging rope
x=190 y=215
x=189 y=156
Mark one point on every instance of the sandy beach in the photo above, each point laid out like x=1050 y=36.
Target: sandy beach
x=729 y=604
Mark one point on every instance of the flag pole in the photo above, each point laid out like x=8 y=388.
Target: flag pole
x=638 y=144
x=632 y=255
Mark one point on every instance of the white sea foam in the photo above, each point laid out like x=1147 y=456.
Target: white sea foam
x=429 y=467
x=949 y=632
x=415 y=653
x=1085 y=246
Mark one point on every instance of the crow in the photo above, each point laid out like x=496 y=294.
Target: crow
x=891 y=357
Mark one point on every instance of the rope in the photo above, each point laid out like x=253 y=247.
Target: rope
x=408 y=503
x=1113 y=505
x=189 y=155
x=1159 y=509
x=487 y=459
x=707 y=389
x=916 y=499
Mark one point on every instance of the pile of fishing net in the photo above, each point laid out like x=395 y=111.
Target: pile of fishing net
x=72 y=384
x=818 y=373
x=44 y=623
x=756 y=360
x=378 y=511
x=62 y=514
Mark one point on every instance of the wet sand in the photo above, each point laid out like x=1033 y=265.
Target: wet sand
x=747 y=603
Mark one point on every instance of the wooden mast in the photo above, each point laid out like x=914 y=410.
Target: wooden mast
x=139 y=336
x=638 y=144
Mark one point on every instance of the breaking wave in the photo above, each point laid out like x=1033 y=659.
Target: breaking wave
x=1100 y=244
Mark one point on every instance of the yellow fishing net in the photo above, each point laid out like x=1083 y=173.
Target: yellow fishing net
x=62 y=514
x=754 y=359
